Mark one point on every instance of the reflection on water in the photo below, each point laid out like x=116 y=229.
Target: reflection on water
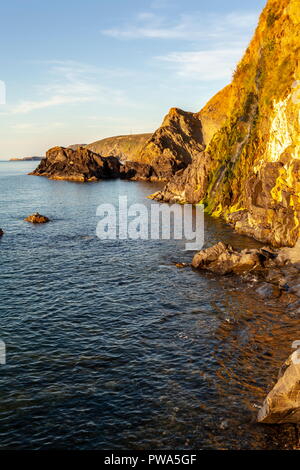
x=110 y=346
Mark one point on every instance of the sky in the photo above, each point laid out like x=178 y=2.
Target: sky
x=76 y=71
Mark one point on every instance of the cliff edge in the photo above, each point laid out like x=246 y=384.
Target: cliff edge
x=249 y=172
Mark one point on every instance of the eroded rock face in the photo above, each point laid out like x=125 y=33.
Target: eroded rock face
x=223 y=259
x=282 y=404
x=183 y=136
x=250 y=170
x=80 y=164
x=37 y=219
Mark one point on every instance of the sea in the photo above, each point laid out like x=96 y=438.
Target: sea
x=110 y=346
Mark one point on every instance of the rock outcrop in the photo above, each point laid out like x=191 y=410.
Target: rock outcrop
x=276 y=272
x=81 y=164
x=282 y=404
x=183 y=136
x=77 y=165
x=37 y=219
x=249 y=172
x=223 y=259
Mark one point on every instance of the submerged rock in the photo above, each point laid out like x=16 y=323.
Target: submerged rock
x=37 y=219
x=282 y=404
x=1 y=232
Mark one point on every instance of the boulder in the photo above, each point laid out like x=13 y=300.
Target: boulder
x=37 y=219
x=223 y=259
x=282 y=404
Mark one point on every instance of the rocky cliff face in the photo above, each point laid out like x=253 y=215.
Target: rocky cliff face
x=250 y=171
x=183 y=136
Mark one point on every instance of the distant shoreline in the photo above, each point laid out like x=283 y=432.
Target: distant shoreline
x=26 y=159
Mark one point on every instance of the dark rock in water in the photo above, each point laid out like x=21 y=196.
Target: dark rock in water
x=1 y=232
x=37 y=219
x=282 y=404
x=223 y=259
x=81 y=164
x=278 y=276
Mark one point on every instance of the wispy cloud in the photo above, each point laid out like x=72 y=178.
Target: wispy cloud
x=70 y=83
x=231 y=26
x=215 y=43
x=204 y=65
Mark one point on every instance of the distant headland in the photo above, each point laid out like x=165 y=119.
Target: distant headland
x=26 y=159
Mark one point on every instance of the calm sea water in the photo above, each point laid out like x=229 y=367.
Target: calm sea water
x=110 y=346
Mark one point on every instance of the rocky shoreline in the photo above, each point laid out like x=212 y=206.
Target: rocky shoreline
x=278 y=275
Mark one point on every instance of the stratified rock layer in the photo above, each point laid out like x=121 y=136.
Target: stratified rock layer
x=250 y=171
x=282 y=404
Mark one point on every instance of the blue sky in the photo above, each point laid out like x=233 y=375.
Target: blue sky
x=80 y=70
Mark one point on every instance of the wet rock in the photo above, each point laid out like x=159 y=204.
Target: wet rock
x=37 y=219
x=181 y=265
x=223 y=259
x=1 y=232
x=282 y=404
